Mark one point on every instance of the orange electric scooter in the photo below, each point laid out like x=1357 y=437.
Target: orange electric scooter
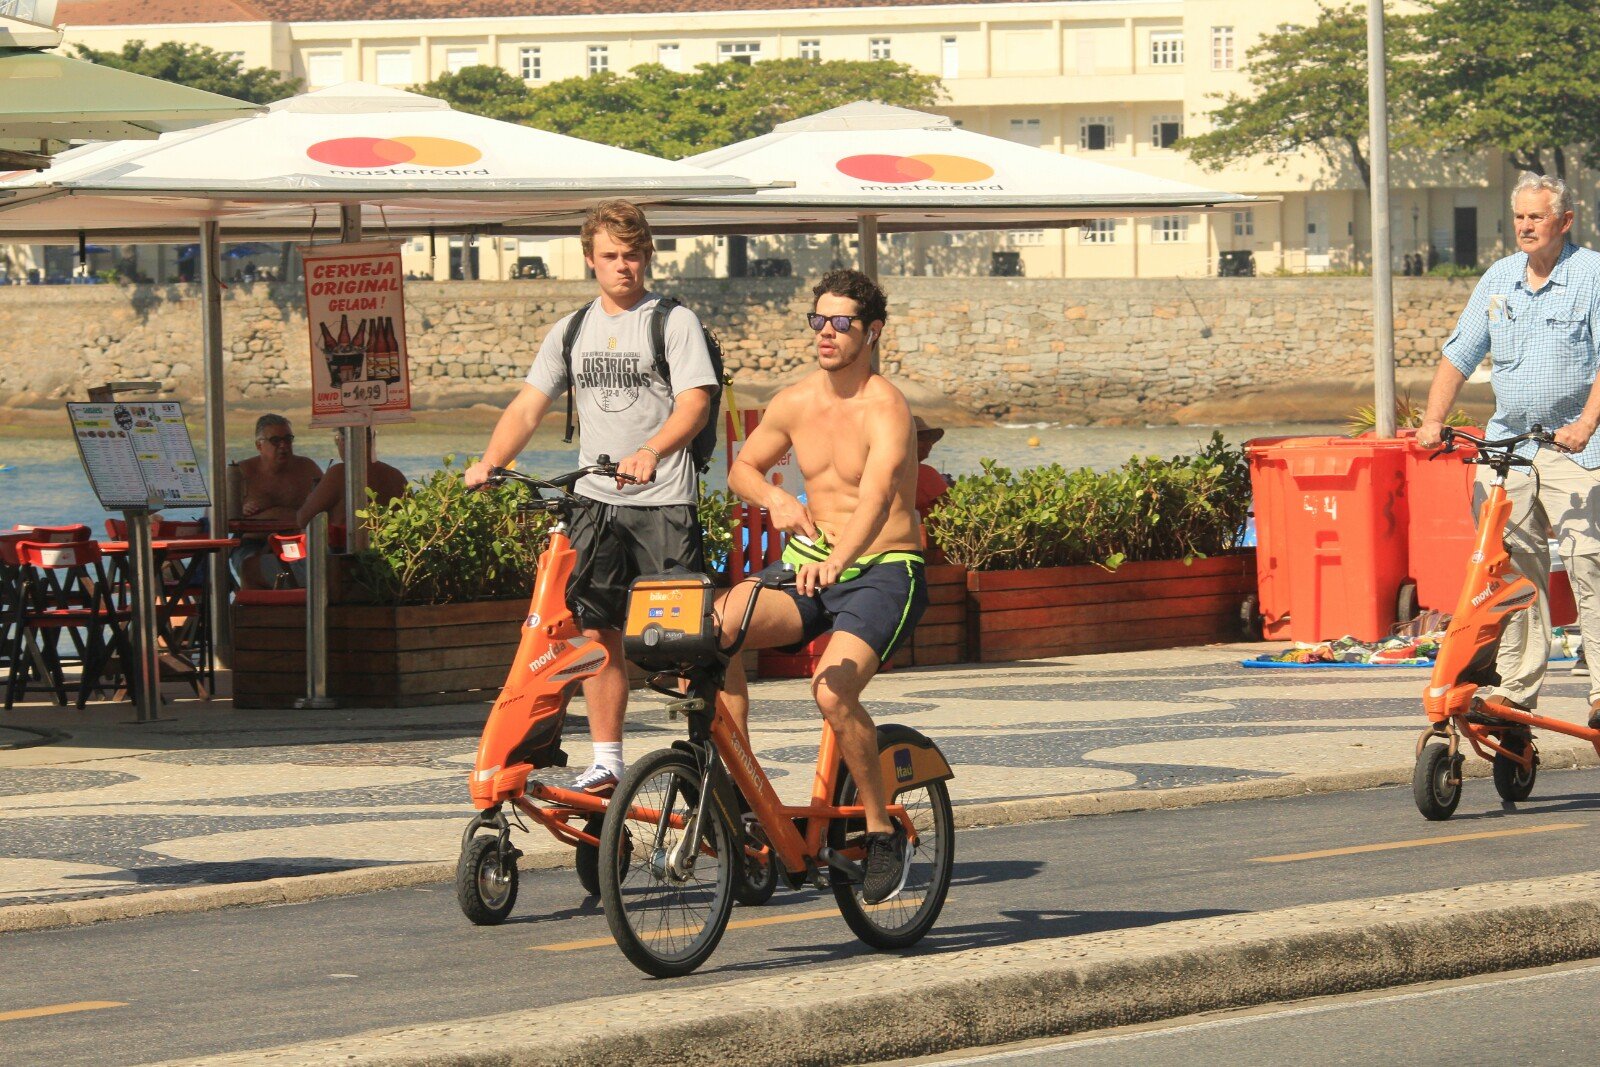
x=1496 y=730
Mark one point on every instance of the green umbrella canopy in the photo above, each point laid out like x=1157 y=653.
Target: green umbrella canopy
x=47 y=100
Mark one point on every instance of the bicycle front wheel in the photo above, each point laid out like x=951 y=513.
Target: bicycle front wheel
x=666 y=885
x=904 y=919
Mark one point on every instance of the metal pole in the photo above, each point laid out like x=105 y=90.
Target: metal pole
x=216 y=435
x=146 y=652
x=316 y=615
x=355 y=438
x=867 y=234
x=1382 y=254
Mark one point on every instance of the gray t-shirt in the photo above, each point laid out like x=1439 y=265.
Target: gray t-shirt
x=621 y=400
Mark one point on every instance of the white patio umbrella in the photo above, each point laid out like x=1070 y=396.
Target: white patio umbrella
x=319 y=163
x=870 y=168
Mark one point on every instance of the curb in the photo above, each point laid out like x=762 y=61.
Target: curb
x=892 y=1007
x=297 y=889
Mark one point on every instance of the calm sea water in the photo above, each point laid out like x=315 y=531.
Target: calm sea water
x=47 y=485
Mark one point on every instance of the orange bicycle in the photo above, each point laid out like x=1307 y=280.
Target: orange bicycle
x=1496 y=731
x=668 y=848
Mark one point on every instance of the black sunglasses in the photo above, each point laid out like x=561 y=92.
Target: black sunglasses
x=840 y=322
x=281 y=439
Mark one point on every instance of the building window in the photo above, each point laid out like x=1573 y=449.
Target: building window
x=1165 y=129
x=950 y=53
x=394 y=68
x=878 y=48
x=1170 y=229
x=1024 y=238
x=457 y=60
x=811 y=50
x=1096 y=133
x=599 y=59
x=1026 y=131
x=746 y=52
x=1222 y=48
x=670 y=56
x=1098 y=232
x=1244 y=223
x=1166 y=49
x=530 y=63
x=324 y=68
x=666 y=244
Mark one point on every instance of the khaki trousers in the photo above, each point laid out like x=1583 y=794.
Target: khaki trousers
x=1564 y=498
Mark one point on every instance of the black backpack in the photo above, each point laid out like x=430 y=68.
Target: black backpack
x=704 y=446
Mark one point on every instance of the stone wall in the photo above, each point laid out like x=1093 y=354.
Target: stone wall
x=1083 y=351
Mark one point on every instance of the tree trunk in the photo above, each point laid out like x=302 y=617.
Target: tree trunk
x=1561 y=163
x=1363 y=165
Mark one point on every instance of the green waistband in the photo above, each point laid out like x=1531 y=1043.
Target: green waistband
x=796 y=555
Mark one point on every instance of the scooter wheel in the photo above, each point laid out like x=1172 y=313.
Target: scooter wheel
x=1430 y=782
x=758 y=881
x=1513 y=782
x=588 y=861
x=486 y=881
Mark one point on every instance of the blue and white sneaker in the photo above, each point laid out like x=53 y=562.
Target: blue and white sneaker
x=596 y=781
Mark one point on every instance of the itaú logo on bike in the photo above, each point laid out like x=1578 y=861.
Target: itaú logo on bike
x=918 y=170
x=397 y=155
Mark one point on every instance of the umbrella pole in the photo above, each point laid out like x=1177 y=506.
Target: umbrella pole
x=355 y=438
x=216 y=435
x=1382 y=260
x=867 y=238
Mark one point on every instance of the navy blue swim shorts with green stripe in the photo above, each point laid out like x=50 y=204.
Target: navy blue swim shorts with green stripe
x=880 y=602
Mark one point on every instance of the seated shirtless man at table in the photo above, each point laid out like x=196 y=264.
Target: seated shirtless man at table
x=274 y=483
x=853 y=547
x=385 y=481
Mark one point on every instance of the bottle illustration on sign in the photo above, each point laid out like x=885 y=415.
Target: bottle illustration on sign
x=383 y=351
x=346 y=355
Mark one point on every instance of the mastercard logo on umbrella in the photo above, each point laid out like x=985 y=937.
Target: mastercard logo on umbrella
x=369 y=152
x=903 y=170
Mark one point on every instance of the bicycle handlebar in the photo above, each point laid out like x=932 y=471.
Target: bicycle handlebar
x=1450 y=434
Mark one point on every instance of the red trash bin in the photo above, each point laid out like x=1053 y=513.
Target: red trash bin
x=1443 y=528
x=1331 y=525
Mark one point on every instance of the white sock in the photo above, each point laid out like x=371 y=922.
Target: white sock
x=608 y=754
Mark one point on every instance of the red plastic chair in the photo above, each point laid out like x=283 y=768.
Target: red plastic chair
x=289 y=548
x=178 y=529
x=117 y=529
x=55 y=534
x=96 y=627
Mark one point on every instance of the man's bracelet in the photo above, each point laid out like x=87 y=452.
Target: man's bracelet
x=653 y=452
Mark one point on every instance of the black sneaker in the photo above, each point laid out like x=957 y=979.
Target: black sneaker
x=887 y=866
x=1594 y=715
x=1580 y=666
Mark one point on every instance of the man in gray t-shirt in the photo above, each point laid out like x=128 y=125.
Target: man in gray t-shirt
x=646 y=519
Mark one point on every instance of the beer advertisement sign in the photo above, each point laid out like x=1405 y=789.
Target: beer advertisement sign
x=355 y=308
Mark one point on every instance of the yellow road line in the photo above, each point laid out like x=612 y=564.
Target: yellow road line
x=1419 y=842
x=59 y=1009
x=741 y=924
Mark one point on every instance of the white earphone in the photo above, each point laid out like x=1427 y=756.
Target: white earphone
x=872 y=336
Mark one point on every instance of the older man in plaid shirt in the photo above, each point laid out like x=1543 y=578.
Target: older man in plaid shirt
x=1537 y=314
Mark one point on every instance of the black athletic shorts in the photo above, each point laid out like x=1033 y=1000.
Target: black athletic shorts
x=616 y=544
x=880 y=605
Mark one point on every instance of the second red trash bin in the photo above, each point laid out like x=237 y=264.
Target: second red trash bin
x=1331 y=529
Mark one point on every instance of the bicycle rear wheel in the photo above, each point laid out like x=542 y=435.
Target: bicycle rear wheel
x=667 y=896
x=903 y=920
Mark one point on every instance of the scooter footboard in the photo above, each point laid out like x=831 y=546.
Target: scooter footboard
x=909 y=759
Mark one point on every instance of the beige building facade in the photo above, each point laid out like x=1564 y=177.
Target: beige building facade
x=1115 y=80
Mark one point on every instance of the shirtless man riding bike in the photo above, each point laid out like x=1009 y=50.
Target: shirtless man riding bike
x=853 y=547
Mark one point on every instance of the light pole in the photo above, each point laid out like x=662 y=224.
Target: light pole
x=1382 y=267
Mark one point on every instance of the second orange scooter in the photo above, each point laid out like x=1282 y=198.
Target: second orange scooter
x=1496 y=731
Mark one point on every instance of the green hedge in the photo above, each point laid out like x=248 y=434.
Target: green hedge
x=444 y=544
x=1148 y=509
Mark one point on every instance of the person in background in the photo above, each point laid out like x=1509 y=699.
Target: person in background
x=273 y=484
x=385 y=481
x=931 y=485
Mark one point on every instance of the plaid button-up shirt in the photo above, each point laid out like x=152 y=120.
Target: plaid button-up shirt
x=1543 y=343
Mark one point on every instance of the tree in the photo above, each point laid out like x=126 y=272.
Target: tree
x=480 y=90
x=1522 y=76
x=674 y=115
x=1309 y=92
x=198 y=67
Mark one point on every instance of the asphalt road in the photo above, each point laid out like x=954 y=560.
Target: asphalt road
x=185 y=985
x=1541 y=1017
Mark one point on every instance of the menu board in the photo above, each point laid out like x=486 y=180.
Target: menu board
x=138 y=455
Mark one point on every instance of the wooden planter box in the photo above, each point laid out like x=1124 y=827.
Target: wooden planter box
x=387 y=657
x=1061 y=611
